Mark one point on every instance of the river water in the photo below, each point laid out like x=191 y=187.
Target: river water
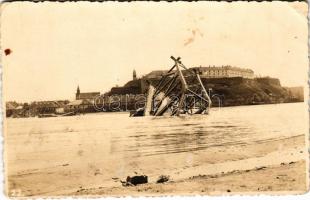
x=50 y=155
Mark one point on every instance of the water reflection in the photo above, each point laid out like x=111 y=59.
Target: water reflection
x=169 y=135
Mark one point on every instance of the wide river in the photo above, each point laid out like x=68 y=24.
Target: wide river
x=52 y=155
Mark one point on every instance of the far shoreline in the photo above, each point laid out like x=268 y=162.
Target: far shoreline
x=128 y=111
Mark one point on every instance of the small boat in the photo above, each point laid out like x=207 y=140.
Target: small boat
x=69 y=114
x=46 y=115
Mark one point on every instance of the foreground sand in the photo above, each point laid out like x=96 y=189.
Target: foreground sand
x=288 y=176
x=271 y=180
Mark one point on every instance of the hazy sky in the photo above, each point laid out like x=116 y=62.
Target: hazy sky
x=57 y=46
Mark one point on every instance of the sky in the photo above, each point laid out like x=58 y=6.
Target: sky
x=54 y=47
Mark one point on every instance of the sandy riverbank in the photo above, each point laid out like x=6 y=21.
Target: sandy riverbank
x=270 y=180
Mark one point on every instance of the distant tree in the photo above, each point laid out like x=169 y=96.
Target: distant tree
x=26 y=106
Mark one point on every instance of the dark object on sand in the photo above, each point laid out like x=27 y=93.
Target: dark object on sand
x=135 y=180
x=260 y=168
x=162 y=179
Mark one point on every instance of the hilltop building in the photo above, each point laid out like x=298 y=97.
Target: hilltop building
x=224 y=72
x=210 y=72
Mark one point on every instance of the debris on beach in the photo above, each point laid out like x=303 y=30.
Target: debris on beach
x=260 y=168
x=97 y=172
x=162 y=179
x=135 y=180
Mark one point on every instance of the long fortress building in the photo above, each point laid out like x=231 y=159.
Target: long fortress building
x=225 y=72
x=211 y=72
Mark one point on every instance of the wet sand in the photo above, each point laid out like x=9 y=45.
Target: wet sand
x=262 y=173
x=288 y=177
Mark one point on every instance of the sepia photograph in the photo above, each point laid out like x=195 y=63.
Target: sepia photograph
x=154 y=98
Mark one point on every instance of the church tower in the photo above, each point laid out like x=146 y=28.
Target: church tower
x=77 y=95
x=134 y=75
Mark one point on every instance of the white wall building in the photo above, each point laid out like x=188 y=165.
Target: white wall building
x=224 y=71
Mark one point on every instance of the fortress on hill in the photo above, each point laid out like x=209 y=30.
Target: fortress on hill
x=232 y=85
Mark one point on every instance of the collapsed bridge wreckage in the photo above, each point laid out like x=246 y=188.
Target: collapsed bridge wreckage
x=179 y=91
